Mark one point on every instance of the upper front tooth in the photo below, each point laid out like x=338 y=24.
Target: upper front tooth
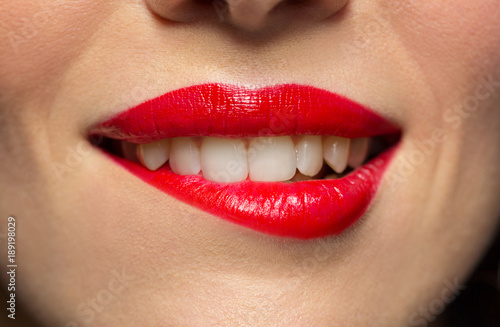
x=224 y=160
x=271 y=159
x=359 y=151
x=153 y=155
x=184 y=156
x=309 y=155
x=336 y=152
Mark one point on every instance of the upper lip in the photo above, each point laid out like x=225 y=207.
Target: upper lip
x=226 y=110
x=303 y=209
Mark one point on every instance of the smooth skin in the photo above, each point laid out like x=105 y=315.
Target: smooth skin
x=99 y=247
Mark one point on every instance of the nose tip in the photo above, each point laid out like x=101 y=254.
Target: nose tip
x=249 y=15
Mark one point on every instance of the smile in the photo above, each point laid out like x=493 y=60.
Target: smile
x=287 y=160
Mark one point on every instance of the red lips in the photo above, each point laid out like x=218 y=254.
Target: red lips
x=302 y=209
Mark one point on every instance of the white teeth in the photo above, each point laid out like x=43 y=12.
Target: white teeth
x=184 y=156
x=336 y=152
x=266 y=159
x=271 y=159
x=153 y=155
x=309 y=155
x=359 y=151
x=129 y=151
x=224 y=160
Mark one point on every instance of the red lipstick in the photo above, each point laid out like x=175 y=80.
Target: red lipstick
x=303 y=210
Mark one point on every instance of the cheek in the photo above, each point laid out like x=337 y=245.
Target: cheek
x=457 y=51
x=449 y=39
x=39 y=39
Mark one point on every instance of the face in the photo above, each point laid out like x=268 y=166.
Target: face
x=99 y=246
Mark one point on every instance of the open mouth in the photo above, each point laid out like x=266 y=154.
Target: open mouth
x=286 y=160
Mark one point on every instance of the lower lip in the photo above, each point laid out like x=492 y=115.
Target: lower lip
x=303 y=210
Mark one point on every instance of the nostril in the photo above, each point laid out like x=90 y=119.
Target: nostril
x=182 y=10
x=247 y=15
x=221 y=9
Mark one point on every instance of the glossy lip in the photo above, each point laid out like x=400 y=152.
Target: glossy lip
x=303 y=210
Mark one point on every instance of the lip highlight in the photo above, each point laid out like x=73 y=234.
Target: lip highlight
x=304 y=210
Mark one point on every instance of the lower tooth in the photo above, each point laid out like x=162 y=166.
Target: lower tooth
x=332 y=176
x=300 y=178
x=336 y=152
x=184 y=156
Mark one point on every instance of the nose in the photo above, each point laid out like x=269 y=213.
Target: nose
x=250 y=15
x=247 y=15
